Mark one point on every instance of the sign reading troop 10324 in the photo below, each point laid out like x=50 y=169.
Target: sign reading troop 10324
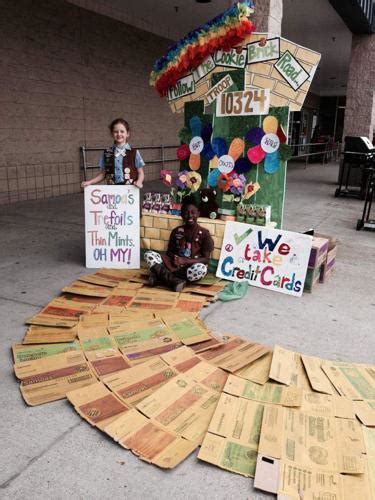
x=282 y=68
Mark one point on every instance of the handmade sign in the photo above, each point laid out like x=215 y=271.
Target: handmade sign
x=218 y=89
x=291 y=70
x=112 y=226
x=264 y=50
x=267 y=258
x=183 y=87
x=250 y=102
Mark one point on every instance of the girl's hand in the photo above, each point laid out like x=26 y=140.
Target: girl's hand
x=139 y=184
x=85 y=184
x=179 y=261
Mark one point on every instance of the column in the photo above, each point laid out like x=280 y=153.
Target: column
x=360 y=97
x=268 y=16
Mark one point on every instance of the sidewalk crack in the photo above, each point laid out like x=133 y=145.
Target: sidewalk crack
x=12 y=478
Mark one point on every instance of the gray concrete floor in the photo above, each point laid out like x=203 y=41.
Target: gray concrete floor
x=49 y=452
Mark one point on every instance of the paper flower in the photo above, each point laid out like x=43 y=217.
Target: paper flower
x=238 y=183
x=224 y=182
x=199 y=143
x=268 y=140
x=227 y=161
x=193 y=181
x=250 y=189
x=166 y=177
x=182 y=179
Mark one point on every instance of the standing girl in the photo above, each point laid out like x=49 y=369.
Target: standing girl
x=120 y=164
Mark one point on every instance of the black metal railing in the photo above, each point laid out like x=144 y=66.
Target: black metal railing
x=322 y=152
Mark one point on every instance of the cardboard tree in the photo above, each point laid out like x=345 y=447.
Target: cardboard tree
x=236 y=89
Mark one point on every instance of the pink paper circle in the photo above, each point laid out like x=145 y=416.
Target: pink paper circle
x=256 y=154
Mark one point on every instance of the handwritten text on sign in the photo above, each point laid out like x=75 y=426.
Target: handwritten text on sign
x=218 y=89
x=267 y=258
x=291 y=70
x=112 y=226
x=184 y=86
x=249 y=102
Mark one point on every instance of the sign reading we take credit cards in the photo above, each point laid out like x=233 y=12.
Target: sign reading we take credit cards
x=268 y=258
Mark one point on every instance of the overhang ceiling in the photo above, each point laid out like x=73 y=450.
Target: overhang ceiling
x=314 y=24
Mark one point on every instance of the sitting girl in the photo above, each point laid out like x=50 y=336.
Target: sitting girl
x=189 y=249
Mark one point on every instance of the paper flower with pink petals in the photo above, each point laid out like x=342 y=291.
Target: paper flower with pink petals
x=270 y=145
x=182 y=177
x=238 y=183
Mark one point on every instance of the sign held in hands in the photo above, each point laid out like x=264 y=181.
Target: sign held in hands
x=112 y=226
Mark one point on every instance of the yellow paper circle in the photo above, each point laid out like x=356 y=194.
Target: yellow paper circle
x=214 y=162
x=270 y=125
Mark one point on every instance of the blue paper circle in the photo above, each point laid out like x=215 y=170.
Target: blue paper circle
x=272 y=162
x=219 y=146
x=195 y=126
x=207 y=152
x=213 y=177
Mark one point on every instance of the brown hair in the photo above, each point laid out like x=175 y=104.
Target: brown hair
x=119 y=120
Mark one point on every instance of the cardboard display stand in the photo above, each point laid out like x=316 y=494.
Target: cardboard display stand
x=236 y=88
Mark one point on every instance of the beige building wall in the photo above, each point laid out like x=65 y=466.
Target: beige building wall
x=66 y=73
x=360 y=100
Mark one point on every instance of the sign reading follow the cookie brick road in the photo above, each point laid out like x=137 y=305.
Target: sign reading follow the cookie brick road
x=267 y=258
x=112 y=226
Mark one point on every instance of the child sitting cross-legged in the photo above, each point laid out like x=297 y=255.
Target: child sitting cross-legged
x=188 y=253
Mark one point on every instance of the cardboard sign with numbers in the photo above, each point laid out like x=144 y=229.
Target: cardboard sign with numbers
x=248 y=102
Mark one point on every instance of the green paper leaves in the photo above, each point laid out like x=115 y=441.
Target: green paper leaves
x=285 y=152
x=185 y=135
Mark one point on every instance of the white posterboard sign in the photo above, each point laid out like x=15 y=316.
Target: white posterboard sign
x=268 y=258
x=112 y=226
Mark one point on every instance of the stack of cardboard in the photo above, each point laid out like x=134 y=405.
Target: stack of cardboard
x=329 y=264
x=139 y=365
x=321 y=262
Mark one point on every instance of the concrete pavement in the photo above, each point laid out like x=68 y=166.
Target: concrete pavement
x=49 y=452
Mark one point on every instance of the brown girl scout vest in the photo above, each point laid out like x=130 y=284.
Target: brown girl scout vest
x=130 y=171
